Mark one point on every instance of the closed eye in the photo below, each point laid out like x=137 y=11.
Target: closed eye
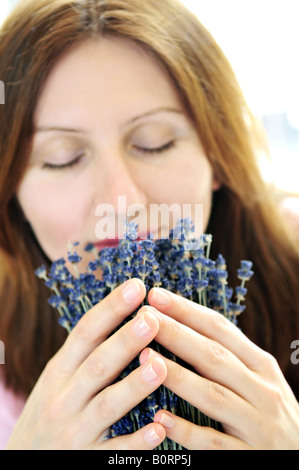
x=160 y=149
x=70 y=164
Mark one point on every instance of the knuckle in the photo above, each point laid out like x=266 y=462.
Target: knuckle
x=95 y=366
x=49 y=369
x=216 y=353
x=188 y=432
x=126 y=339
x=177 y=373
x=115 y=304
x=137 y=387
x=219 y=322
x=214 y=441
x=53 y=371
x=269 y=362
x=104 y=407
x=185 y=305
x=83 y=329
x=275 y=397
x=268 y=365
x=215 y=395
x=173 y=330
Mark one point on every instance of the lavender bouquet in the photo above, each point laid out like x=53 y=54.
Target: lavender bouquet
x=181 y=264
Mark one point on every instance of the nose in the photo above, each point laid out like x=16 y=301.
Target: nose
x=117 y=187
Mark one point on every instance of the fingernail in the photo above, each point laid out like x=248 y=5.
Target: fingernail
x=141 y=328
x=149 y=374
x=131 y=290
x=151 y=436
x=166 y=421
x=144 y=356
x=160 y=296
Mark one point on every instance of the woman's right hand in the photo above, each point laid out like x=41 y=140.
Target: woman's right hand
x=75 y=401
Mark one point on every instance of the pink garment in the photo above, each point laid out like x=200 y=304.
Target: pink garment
x=11 y=406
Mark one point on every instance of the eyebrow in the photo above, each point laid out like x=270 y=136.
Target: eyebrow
x=156 y=111
x=59 y=129
x=131 y=121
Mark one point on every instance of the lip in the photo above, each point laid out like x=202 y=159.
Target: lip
x=113 y=242
x=107 y=243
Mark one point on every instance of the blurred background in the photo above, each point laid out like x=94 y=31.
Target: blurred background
x=260 y=39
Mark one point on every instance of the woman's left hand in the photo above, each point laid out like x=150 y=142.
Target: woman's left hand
x=239 y=384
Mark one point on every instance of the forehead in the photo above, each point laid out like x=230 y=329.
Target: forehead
x=104 y=74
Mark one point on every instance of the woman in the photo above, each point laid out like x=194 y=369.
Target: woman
x=112 y=98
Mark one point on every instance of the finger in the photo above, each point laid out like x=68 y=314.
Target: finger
x=107 y=361
x=209 y=323
x=207 y=357
x=98 y=323
x=210 y=398
x=194 y=437
x=146 y=438
x=112 y=403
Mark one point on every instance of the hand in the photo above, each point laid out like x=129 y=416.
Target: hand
x=239 y=384
x=73 y=403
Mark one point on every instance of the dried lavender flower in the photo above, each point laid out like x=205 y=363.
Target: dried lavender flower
x=181 y=264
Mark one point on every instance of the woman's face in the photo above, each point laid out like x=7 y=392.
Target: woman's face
x=110 y=132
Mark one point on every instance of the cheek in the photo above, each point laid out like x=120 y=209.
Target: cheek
x=188 y=182
x=55 y=215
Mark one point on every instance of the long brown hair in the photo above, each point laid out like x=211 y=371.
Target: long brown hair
x=245 y=222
